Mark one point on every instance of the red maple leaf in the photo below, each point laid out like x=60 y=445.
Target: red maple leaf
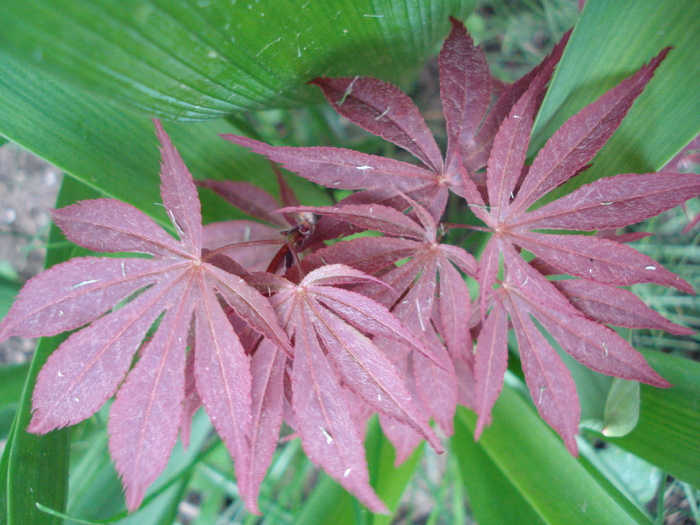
x=178 y=283
x=600 y=263
x=333 y=354
x=427 y=294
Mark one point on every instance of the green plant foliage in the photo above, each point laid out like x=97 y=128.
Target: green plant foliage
x=198 y=60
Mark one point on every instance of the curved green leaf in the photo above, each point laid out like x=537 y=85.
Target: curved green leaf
x=668 y=432
x=115 y=152
x=534 y=470
x=200 y=59
x=612 y=40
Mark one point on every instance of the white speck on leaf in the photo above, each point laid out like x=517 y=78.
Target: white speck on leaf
x=347 y=472
x=329 y=438
x=650 y=268
x=365 y=168
x=83 y=284
x=605 y=203
x=383 y=113
x=348 y=90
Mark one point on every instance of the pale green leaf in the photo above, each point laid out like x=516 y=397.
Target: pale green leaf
x=621 y=408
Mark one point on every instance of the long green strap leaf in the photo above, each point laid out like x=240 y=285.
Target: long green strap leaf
x=538 y=469
x=610 y=42
x=668 y=432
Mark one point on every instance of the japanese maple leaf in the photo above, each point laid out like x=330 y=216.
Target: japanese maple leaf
x=602 y=264
x=384 y=110
x=331 y=328
x=427 y=294
x=179 y=284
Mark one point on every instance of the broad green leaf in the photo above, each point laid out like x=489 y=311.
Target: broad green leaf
x=114 y=151
x=12 y=379
x=493 y=499
x=538 y=469
x=37 y=466
x=201 y=59
x=668 y=432
x=611 y=41
x=8 y=291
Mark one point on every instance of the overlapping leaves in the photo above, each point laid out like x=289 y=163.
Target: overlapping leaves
x=178 y=287
x=373 y=324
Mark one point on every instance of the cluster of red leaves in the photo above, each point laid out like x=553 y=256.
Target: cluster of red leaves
x=329 y=335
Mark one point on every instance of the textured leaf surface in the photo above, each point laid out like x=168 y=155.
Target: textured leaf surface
x=190 y=62
x=88 y=368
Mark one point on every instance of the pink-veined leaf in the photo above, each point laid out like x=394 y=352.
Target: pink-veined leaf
x=89 y=366
x=251 y=244
x=342 y=168
x=475 y=154
x=145 y=417
x=267 y=372
x=599 y=259
x=614 y=202
x=192 y=402
x=511 y=141
x=222 y=372
x=71 y=294
x=329 y=436
x=616 y=306
x=383 y=110
x=465 y=86
x=578 y=140
x=71 y=389
x=490 y=364
x=247 y=197
x=368 y=373
x=108 y=225
x=179 y=194
x=455 y=310
x=552 y=388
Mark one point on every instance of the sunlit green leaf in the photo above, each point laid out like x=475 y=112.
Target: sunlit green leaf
x=534 y=467
x=668 y=432
x=197 y=60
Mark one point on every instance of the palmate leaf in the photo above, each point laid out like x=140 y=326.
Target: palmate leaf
x=384 y=110
x=331 y=353
x=180 y=285
x=427 y=294
x=601 y=263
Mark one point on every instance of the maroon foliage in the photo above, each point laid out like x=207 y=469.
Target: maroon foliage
x=88 y=368
x=380 y=323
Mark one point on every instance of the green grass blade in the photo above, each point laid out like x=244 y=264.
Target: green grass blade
x=611 y=41
x=115 y=152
